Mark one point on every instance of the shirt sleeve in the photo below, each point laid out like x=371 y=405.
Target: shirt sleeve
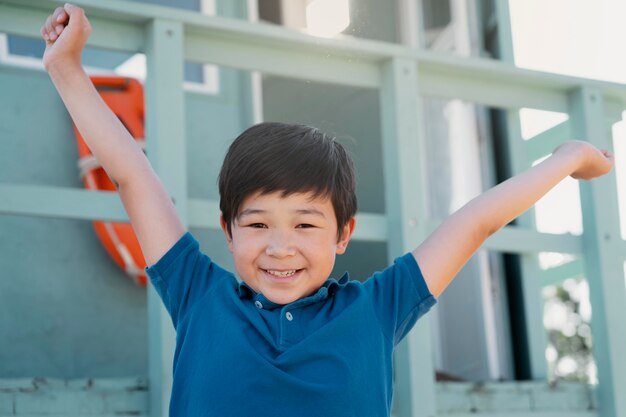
x=182 y=276
x=400 y=296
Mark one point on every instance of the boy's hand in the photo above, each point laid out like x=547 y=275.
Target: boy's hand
x=593 y=162
x=65 y=31
x=442 y=255
x=147 y=202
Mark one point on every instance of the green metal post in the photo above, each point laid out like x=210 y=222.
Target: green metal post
x=165 y=141
x=405 y=208
x=529 y=262
x=603 y=262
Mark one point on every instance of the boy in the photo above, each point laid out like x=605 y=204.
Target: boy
x=287 y=340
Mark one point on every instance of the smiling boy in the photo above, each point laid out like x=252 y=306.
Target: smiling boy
x=287 y=197
x=288 y=340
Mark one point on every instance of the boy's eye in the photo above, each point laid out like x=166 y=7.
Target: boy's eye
x=257 y=226
x=304 y=226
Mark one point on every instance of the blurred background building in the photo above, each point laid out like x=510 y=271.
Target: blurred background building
x=425 y=95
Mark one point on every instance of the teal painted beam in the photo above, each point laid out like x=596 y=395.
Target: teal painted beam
x=499 y=84
x=166 y=149
x=25 y=19
x=558 y=274
x=74 y=203
x=516 y=239
x=545 y=142
x=405 y=188
x=522 y=239
x=317 y=64
x=603 y=257
x=61 y=202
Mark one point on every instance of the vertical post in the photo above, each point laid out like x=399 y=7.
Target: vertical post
x=529 y=262
x=165 y=141
x=402 y=140
x=603 y=258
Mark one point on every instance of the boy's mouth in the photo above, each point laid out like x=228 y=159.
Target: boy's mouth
x=281 y=274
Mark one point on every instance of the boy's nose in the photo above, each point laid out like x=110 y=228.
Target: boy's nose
x=280 y=246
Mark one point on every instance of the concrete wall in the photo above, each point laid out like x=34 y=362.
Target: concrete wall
x=65 y=308
x=129 y=396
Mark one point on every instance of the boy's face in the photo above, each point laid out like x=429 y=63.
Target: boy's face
x=285 y=247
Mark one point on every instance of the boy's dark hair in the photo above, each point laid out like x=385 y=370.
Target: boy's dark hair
x=270 y=157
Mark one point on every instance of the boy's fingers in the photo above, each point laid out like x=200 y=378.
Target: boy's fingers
x=71 y=9
x=50 y=29
x=62 y=17
x=48 y=24
x=56 y=13
x=52 y=21
x=76 y=17
x=56 y=23
x=44 y=34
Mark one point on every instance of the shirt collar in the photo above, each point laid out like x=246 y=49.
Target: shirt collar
x=330 y=287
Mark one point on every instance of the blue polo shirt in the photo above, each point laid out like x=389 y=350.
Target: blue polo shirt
x=328 y=354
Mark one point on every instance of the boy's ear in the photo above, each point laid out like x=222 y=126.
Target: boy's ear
x=345 y=236
x=229 y=238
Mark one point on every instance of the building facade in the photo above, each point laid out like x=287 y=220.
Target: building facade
x=425 y=96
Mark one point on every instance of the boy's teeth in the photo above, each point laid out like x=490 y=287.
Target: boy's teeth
x=282 y=273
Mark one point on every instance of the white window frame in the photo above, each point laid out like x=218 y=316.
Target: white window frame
x=17 y=60
x=210 y=72
x=6 y=58
x=256 y=77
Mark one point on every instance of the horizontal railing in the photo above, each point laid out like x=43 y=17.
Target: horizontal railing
x=74 y=203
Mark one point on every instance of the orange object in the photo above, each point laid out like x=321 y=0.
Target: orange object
x=124 y=96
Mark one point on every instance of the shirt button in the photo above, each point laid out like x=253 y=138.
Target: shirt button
x=289 y=316
x=258 y=304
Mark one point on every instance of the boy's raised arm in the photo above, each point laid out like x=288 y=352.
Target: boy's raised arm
x=442 y=255
x=147 y=203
